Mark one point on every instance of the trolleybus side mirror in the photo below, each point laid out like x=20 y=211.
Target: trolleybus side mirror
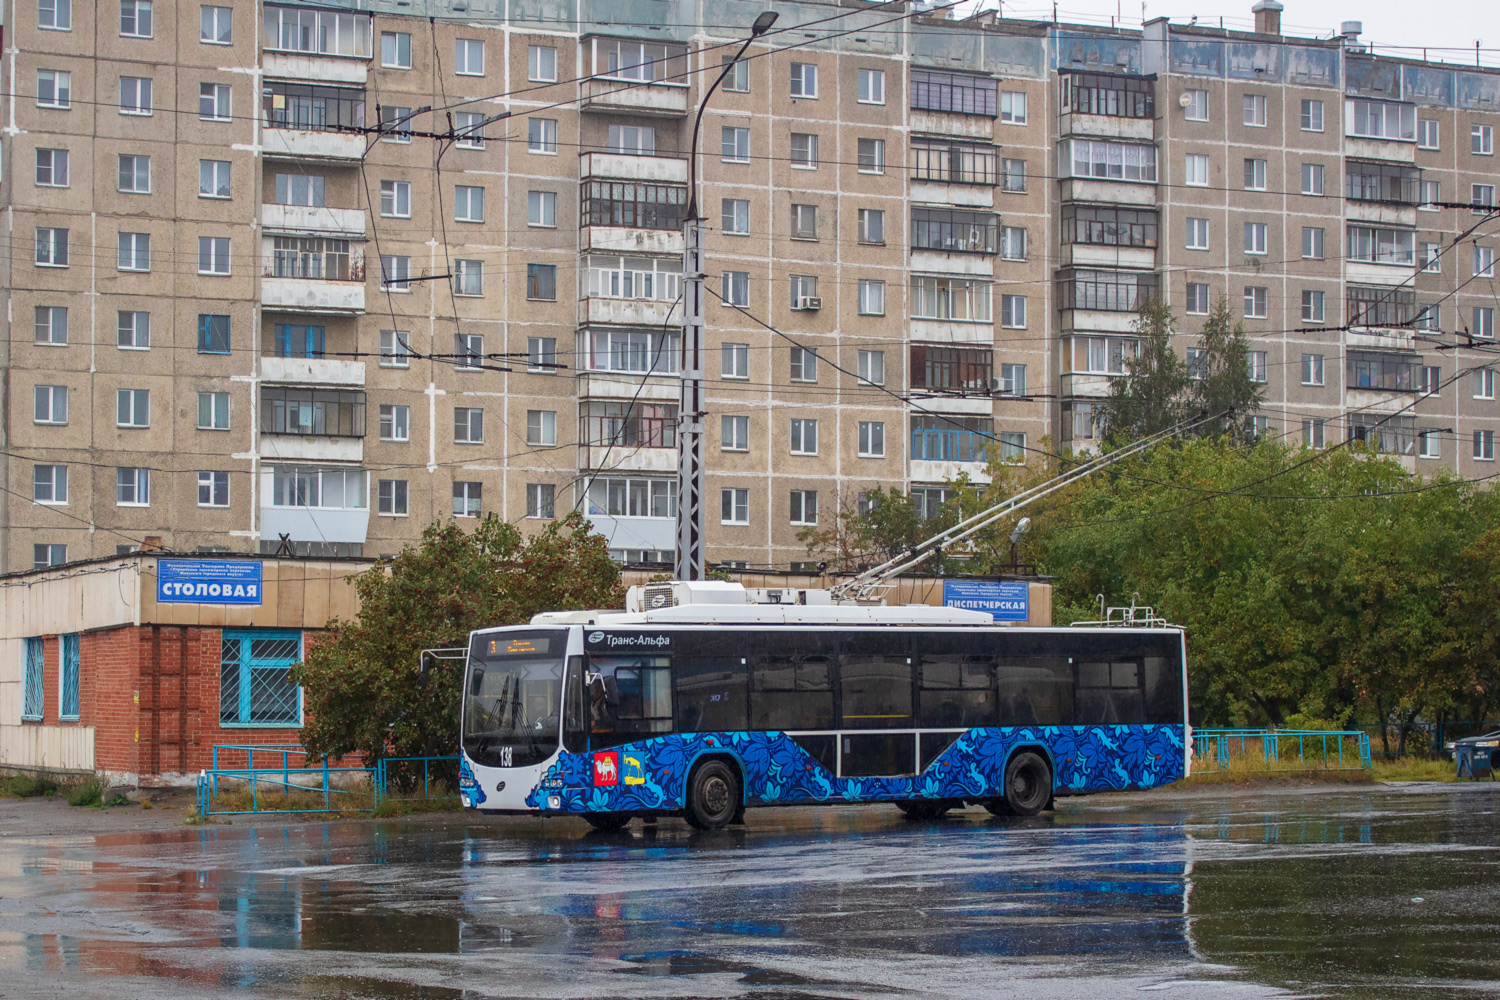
x=425 y=672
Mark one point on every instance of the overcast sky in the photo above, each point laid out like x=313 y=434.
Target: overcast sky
x=1436 y=23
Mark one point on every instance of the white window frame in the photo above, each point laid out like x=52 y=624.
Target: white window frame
x=472 y=419
x=541 y=501
x=870 y=442
x=870 y=367
x=1190 y=294
x=220 y=106
x=136 y=159
x=1196 y=109
x=734 y=361
x=1424 y=139
x=55 y=163
x=468 y=277
x=464 y=198
x=541 y=136
x=803 y=363
x=138 y=330
x=55 y=325
x=1013 y=107
x=1257 y=302
x=1312 y=115
x=1257 y=236
x=734 y=505
x=213 y=176
x=140 y=487
x=1191 y=175
x=54 y=15
x=135 y=257
x=1312 y=172
x=56 y=485
x=804 y=81
x=732 y=212
x=871 y=86
x=1257 y=173
x=395 y=422
x=541 y=428
x=464 y=51
x=142 y=86
x=141 y=14
x=871 y=293
x=1484 y=383
x=541 y=209
x=1484 y=446
x=1255 y=108
x=217 y=411
x=1482 y=140
x=1197 y=233
x=393 y=59
x=57 y=405
x=61 y=87
x=734 y=144
x=395 y=349
x=217 y=257
x=541 y=63
x=1013 y=312
x=734 y=432
x=800 y=505
x=1314 y=309
x=133 y=409
x=807 y=158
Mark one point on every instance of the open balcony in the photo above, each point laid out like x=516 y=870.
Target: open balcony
x=641 y=77
x=632 y=217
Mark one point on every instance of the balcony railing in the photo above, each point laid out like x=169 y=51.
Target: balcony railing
x=318 y=412
x=1387 y=182
x=954 y=231
x=630 y=205
x=313 y=107
x=1107 y=291
x=314 y=260
x=641 y=425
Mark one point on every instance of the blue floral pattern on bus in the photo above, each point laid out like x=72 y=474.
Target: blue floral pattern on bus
x=651 y=775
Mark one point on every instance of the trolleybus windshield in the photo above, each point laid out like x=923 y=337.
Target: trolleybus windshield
x=512 y=697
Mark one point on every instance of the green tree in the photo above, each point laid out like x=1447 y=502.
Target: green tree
x=1221 y=382
x=360 y=679
x=1153 y=394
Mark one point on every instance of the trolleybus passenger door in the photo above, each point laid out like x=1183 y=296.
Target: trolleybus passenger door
x=875 y=693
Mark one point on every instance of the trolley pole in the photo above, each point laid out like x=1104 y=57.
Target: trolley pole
x=688 y=563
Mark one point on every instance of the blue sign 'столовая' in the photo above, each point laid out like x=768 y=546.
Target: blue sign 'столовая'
x=1007 y=602
x=208 y=581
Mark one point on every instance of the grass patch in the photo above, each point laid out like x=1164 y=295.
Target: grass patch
x=1410 y=769
x=1243 y=777
x=26 y=786
x=88 y=792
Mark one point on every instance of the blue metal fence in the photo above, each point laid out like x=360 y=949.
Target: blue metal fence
x=282 y=779
x=1285 y=749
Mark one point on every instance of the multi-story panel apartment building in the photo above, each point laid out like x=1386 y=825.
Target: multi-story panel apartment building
x=312 y=276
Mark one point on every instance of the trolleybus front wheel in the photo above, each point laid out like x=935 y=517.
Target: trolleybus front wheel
x=607 y=822
x=713 y=796
x=1027 y=789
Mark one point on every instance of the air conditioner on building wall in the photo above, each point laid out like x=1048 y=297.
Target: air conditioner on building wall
x=811 y=302
x=1003 y=386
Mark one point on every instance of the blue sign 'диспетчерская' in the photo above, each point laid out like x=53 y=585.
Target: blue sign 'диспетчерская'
x=208 y=581
x=1007 y=602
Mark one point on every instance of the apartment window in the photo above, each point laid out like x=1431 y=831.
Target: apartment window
x=804 y=506
x=1484 y=262
x=213 y=102
x=735 y=288
x=804 y=364
x=1484 y=383
x=395 y=423
x=469 y=126
x=1312 y=242
x=468 y=499
x=1108 y=160
x=541 y=63
x=1196 y=170
x=213 y=255
x=50 y=404
x=1312 y=178
x=132 y=487
x=734 y=144
x=871 y=154
x=804 y=80
x=541 y=500
x=735 y=220
x=737 y=79
x=391 y=495
x=1255 y=364
x=955 y=93
x=734 y=506
x=52 y=168
x=1429 y=256
x=133 y=330
x=1013 y=312
x=133 y=408
x=42 y=557
x=468 y=277
x=468 y=351
x=1427 y=133
x=954 y=231
x=395 y=123
x=1382 y=246
x=1197 y=299
x=213 y=178
x=871 y=225
x=135 y=95
x=51 y=325
x=1013 y=107
x=541 y=209
x=1013 y=242
x=1255 y=175
x=953 y=161
x=1312 y=307
x=871 y=86
x=1197 y=234
x=804 y=289
x=395 y=349
x=1431 y=382
x=1257 y=302
x=1430 y=194
x=468 y=203
x=305 y=190
x=1012 y=175
x=1381 y=119
x=54 y=88
x=395 y=199
x=734 y=361
x=541 y=427
x=1255 y=237
x=1012 y=380
x=134 y=252
x=636 y=140
x=1429 y=444
x=871 y=297
x=395 y=49
x=1312 y=432
x=1255 y=110
x=134 y=174
x=964 y=369
x=468 y=57
x=1197 y=106
x=961 y=299
x=541 y=135
x=804 y=437
x=1482 y=139
x=213 y=411
x=871 y=439
x=804 y=222
x=734 y=433
x=870 y=367
x=213 y=489
x=1482 y=197
x=541 y=282
x=804 y=150
x=468 y=425
x=1429 y=318
x=213 y=335
x=135 y=18
x=55 y=14
x=51 y=246
x=50 y=484
x=1312 y=115
x=1484 y=446
x=1109 y=225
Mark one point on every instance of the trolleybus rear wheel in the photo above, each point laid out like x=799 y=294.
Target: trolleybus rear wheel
x=923 y=810
x=607 y=822
x=1027 y=789
x=713 y=796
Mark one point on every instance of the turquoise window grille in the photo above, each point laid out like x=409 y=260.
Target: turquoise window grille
x=31 y=682
x=255 y=679
x=67 y=702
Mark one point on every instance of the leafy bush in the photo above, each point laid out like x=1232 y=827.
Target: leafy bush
x=88 y=792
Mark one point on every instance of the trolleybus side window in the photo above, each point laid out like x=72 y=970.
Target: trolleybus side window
x=1035 y=691
x=630 y=698
x=711 y=683
x=958 y=690
x=1110 y=693
x=575 y=714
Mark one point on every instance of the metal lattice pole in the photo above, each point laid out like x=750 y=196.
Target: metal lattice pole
x=689 y=553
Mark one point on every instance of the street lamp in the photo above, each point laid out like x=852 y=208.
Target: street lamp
x=688 y=563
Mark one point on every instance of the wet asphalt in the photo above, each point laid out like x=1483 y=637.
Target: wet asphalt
x=1386 y=892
